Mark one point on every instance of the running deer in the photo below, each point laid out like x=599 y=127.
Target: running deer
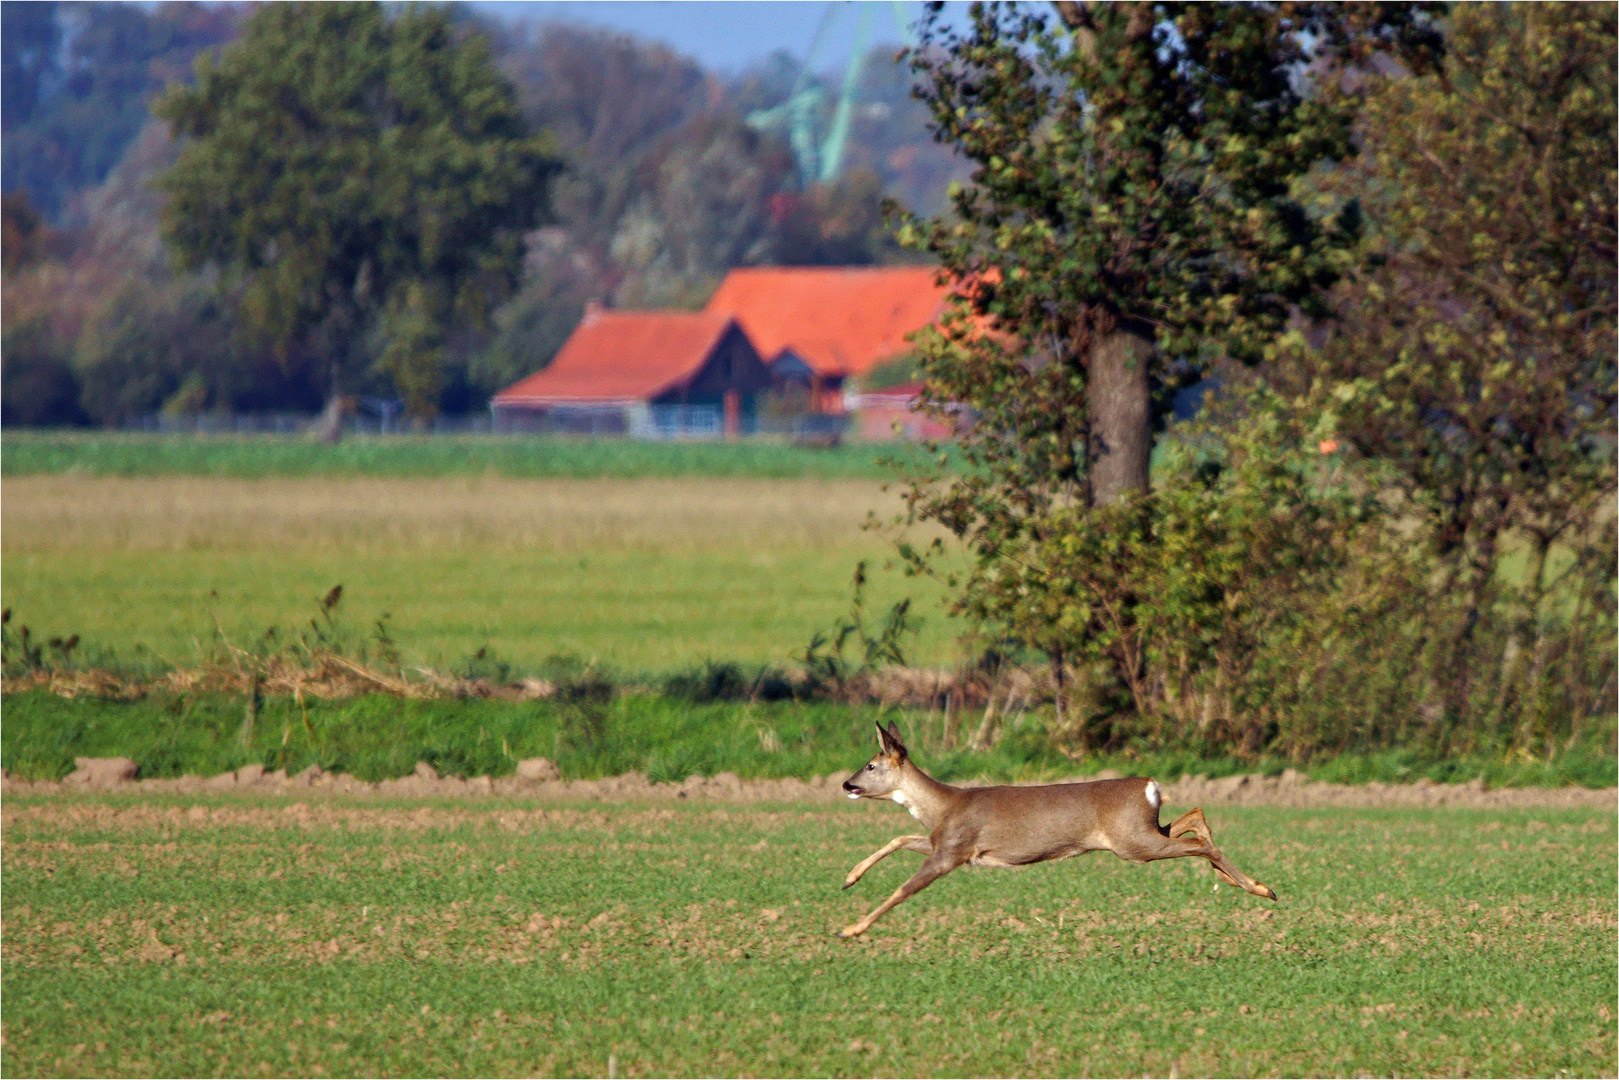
x=1016 y=826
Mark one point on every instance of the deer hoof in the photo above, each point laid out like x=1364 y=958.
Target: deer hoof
x=852 y=930
x=1265 y=890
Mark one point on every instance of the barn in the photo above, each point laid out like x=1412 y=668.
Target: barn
x=649 y=374
x=822 y=327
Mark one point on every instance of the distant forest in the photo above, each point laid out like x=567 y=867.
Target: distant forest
x=667 y=186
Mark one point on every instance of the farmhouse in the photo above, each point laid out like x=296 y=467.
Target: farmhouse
x=777 y=348
x=642 y=373
x=821 y=327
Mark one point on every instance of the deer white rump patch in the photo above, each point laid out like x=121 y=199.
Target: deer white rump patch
x=1155 y=795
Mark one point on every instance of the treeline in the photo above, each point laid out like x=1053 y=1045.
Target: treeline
x=1389 y=231
x=662 y=186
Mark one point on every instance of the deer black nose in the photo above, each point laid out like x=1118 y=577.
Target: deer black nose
x=848 y=785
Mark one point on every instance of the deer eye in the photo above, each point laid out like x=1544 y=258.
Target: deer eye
x=871 y=766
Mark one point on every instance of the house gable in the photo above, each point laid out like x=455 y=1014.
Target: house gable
x=838 y=320
x=625 y=357
x=731 y=366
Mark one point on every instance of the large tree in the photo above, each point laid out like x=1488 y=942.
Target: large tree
x=1132 y=219
x=1131 y=209
x=363 y=176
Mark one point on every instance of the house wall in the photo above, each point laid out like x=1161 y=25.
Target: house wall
x=792 y=376
x=878 y=417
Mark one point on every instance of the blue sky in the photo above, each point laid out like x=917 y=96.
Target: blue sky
x=728 y=36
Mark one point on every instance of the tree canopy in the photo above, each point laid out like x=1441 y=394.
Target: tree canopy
x=1471 y=353
x=1131 y=210
x=76 y=80
x=356 y=171
x=1396 y=249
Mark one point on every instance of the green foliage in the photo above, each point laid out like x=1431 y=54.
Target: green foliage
x=826 y=659
x=1131 y=192
x=1471 y=361
x=352 y=166
x=1265 y=596
x=157 y=345
x=38 y=387
x=594 y=727
x=1130 y=220
x=1491 y=397
x=1178 y=596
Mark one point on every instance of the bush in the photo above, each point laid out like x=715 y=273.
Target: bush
x=38 y=387
x=1263 y=600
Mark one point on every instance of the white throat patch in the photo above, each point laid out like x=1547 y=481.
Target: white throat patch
x=899 y=797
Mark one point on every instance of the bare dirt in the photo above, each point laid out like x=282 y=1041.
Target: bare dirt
x=1290 y=789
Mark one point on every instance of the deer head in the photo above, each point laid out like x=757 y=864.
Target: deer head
x=880 y=777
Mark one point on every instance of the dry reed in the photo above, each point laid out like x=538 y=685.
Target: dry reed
x=195 y=513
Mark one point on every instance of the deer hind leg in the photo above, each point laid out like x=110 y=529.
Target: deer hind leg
x=1192 y=822
x=908 y=843
x=1195 y=824
x=936 y=866
x=1164 y=846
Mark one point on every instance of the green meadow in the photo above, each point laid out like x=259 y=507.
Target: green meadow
x=250 y=457
x=227 y=935
x=638 y=574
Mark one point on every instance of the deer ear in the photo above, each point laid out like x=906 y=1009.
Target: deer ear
x=893 y=739
x=882 y=739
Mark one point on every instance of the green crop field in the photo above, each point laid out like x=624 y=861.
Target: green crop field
x=255 y=457
x=230 y=936
x=638 y=574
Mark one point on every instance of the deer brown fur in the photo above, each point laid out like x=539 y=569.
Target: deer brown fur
x=1016 y=826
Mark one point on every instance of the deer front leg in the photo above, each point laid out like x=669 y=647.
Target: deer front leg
x=937 y=865
x=909 y=843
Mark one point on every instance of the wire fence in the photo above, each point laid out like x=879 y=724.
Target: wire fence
x=654 y=423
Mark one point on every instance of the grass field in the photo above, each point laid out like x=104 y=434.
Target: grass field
x=225 y=936
x=641 y=574
x=664 y=736
x=404 y=456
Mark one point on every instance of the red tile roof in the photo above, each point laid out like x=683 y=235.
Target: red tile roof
x=622 y=356
x=841 y=320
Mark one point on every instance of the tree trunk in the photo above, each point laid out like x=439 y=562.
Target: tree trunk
x=1120 y=403
x=328 y=427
